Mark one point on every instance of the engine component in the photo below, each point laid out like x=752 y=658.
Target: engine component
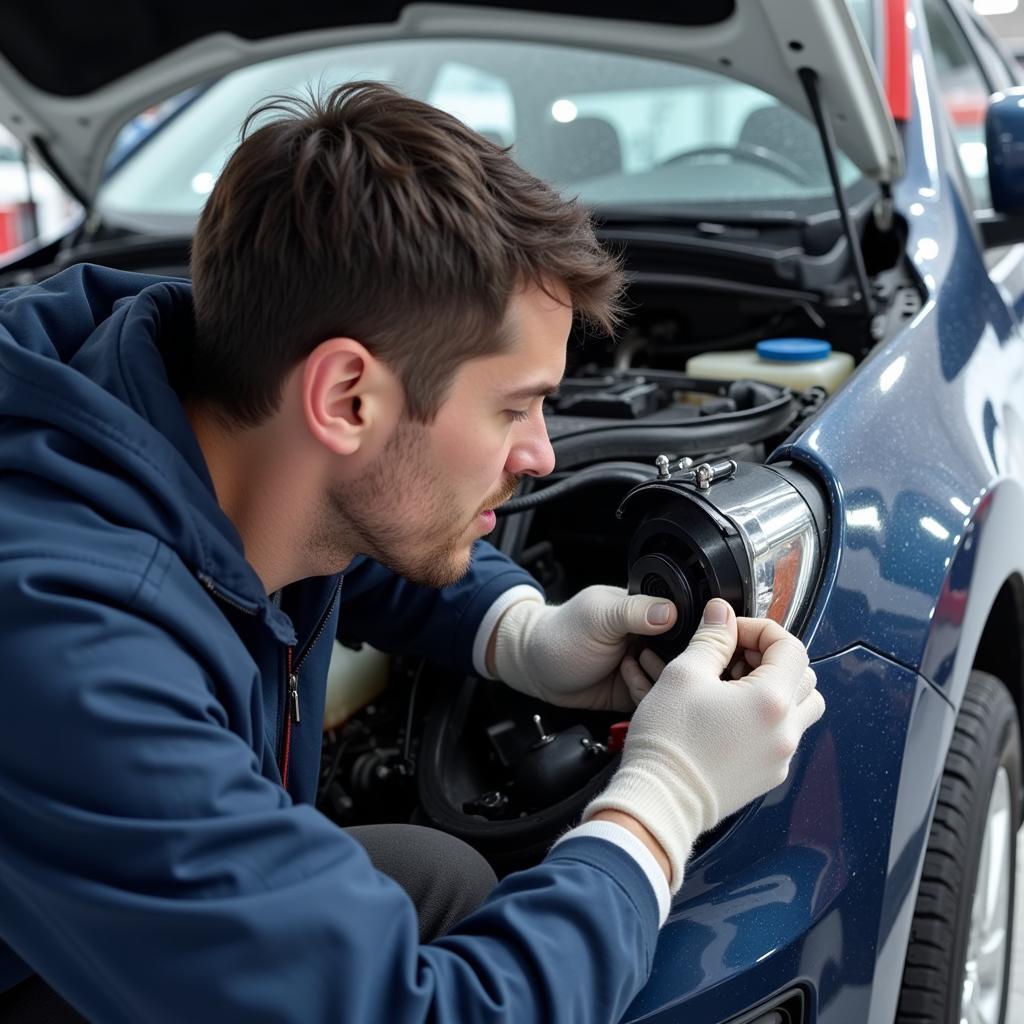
x=378 y=771
x=492 y=804
x=489 y=774
x=620 y=399
x=557 y=765
x=750 y=534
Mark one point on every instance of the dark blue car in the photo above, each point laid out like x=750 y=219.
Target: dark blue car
x=816 y=410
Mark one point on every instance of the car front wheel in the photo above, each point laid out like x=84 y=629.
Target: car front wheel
x=958 y=959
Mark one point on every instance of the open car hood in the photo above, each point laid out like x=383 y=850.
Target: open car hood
x=71 y=77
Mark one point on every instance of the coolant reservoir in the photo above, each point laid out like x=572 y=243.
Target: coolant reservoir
x=797 y=363
x=353 y=680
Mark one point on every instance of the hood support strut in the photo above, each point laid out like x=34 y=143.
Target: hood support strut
x=809 y=80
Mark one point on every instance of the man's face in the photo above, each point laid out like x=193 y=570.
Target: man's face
x=430 y=494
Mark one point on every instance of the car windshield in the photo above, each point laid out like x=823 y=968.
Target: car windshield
x=610 y=128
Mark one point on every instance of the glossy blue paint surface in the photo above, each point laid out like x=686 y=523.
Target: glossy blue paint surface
x=798 y=890
x=927 y=426
x=922 y=453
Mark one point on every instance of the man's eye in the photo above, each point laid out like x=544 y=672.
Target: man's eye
x=519 y=415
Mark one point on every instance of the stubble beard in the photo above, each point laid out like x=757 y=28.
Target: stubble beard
x=432 y=551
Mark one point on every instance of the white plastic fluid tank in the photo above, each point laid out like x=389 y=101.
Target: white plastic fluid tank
x=354 y=678
x=797 y=363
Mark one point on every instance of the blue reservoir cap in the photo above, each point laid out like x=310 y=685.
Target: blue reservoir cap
x=793 y=350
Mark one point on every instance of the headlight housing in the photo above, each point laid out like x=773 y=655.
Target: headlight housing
x=751 y=534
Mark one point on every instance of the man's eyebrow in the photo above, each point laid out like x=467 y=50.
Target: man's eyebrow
x=532 y=391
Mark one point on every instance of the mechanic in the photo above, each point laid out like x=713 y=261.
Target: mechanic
x=353 y=381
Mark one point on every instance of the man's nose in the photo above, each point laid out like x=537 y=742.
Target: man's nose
x=531 y=454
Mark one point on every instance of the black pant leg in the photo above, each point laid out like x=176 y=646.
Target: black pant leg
x=446 y=878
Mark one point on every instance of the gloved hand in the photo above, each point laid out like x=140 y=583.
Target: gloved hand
x=700 y=747
x=572 y=654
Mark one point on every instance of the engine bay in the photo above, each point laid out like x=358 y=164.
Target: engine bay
x=504 y=772
x=507 y=773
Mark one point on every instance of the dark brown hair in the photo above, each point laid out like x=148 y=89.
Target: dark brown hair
x=367 y=214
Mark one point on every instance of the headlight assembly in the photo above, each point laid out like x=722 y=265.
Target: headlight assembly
x=752 y=534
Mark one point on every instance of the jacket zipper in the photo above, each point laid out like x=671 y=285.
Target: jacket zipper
x=208 y=583
x=292 y=666
x=292 y=703
x=291 y=713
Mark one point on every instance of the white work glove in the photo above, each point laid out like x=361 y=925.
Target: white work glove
x=572 y=654
x=700 y=747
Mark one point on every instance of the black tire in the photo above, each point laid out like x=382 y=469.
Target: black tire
x=986 y=738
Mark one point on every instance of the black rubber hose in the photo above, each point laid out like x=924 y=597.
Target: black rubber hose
x=603 y=472
x=580 y=441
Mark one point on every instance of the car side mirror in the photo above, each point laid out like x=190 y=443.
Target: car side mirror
x=1004 y=139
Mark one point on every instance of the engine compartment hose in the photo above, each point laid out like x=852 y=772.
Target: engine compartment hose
x=602 y=473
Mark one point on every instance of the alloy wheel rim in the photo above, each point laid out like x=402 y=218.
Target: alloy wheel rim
x=985 y=963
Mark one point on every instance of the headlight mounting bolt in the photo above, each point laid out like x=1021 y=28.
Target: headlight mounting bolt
x=662 y=462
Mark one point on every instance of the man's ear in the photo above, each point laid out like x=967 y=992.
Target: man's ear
x=350 y=399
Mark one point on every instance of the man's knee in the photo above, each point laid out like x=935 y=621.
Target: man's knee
x=445 y=877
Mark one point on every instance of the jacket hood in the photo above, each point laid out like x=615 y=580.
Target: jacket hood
x=68 y=84
x=87 y=354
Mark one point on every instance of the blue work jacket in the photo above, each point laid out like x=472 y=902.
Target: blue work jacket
x=152 y=865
